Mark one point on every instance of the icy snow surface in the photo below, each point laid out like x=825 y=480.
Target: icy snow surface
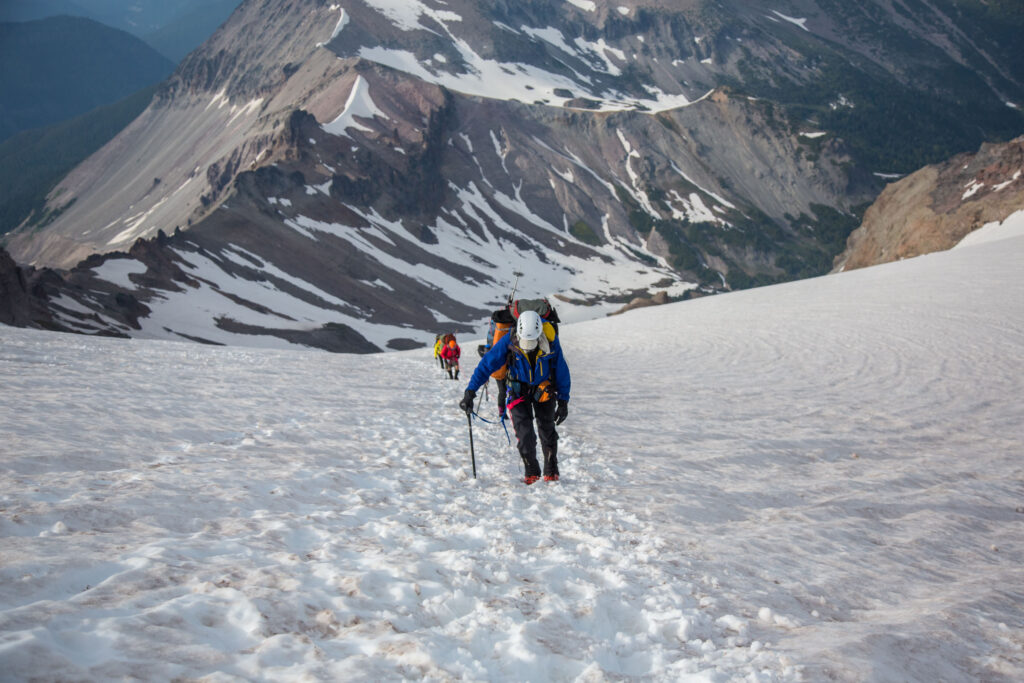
x=818 y=480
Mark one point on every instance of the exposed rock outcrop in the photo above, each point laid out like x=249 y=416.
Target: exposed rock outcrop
x=936 y=207
x=22 y=303
x=659 y=299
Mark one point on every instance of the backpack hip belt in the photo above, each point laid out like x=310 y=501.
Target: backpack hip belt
x=540 y=392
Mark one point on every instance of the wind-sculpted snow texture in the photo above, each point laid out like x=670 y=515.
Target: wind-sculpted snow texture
x=814 y=481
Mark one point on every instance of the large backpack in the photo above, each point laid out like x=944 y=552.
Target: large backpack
x=542 y=307
x=549 y=316
x=502 y=323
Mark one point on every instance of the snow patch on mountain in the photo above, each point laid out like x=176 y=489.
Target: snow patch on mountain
x=1006 y=183
x=342 y=21
x=405 y=14
x=694 y=209
x=118 y=271
x=359 y=104
x=266 y=303
x=585 y=5
x=523 y=82
x=585 y=50
x=972 y=189
x=802 y=23
x=721 y=200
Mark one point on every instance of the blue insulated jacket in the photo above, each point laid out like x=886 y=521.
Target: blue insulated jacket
x=548 y=366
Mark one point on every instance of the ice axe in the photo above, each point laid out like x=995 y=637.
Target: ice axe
x=472 y=454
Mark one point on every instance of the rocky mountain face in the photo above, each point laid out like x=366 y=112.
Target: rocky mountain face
x=936 y=207
x=22 y=297
x=356 y=175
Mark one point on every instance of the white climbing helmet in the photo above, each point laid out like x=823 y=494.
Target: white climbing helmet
x=529 y=328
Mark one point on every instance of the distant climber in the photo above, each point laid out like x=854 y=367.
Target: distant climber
x=439 y=340
x=450 y=353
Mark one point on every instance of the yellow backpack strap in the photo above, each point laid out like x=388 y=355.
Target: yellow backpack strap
x=549 y=331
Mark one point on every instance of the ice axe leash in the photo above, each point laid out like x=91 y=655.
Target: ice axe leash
x=490 y=422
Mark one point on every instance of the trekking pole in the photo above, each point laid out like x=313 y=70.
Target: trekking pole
x=472 y=454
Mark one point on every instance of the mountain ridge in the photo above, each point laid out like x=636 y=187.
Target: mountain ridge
x=500 y=133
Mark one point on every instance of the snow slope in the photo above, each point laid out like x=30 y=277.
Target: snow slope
x=818 y=480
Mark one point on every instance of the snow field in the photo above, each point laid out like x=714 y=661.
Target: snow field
x=855 y=438
x=180 y=511
x=813 y=481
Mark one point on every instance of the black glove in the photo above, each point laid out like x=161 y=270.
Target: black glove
x=467 y=401
x=561 y=412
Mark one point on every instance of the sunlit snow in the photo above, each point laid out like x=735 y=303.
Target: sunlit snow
x=343 y=20
x=1006 y=183
x=972 y=189
x=117 y=271
x=359 y=104
x=1013 y=226
x=585 y=5
x=405 y=14
x=802 y=23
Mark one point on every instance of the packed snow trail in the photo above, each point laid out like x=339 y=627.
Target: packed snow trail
x=817 y=481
